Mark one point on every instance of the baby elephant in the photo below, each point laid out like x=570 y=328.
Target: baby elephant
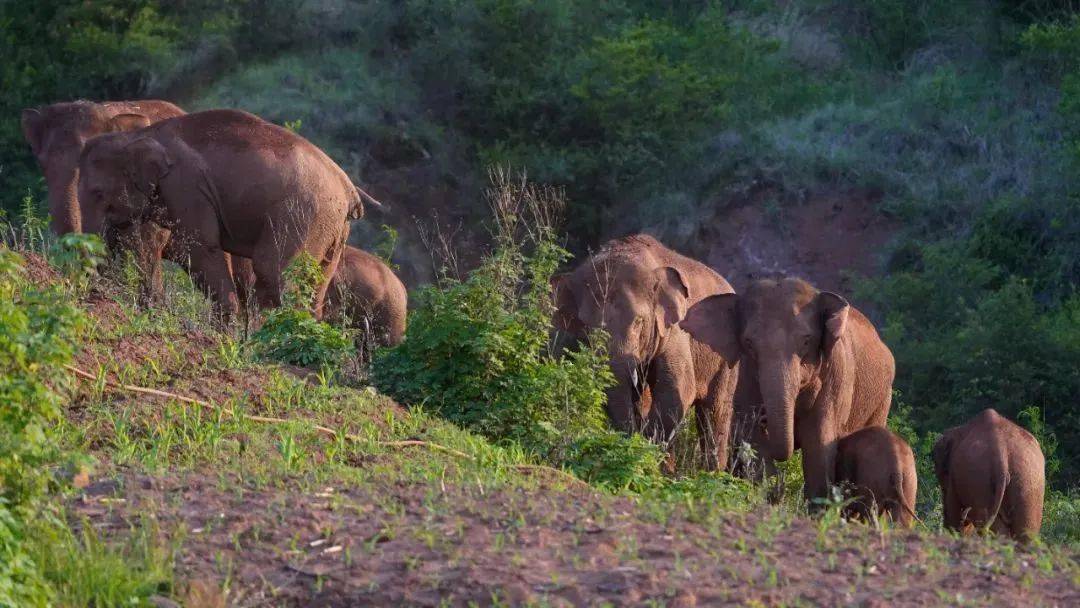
x=365 y=293
x=992 y=476
x=881 y=468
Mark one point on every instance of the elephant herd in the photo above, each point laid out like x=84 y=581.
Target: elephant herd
x=228 y=196
x=781 y=366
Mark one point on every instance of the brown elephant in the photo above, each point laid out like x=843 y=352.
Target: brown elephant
x=810 y=361
x=366 y=293
x=57 y=133
x=223 y=181
x=638 y=289
x=992 y=476
x=880 y=468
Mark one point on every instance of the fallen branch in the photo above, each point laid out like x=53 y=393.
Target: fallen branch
x=322 y=429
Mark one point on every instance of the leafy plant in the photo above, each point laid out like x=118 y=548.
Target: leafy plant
x=37 y=331
x=78 y=257
x=291 y=334
x=476 y=351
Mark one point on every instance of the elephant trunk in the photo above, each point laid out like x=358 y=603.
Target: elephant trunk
x=63 y=182
x=778 y=390
x=623 y=398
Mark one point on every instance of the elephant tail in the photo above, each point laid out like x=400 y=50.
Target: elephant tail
x=1001 y=481
x=356 y=211
x=898 y=488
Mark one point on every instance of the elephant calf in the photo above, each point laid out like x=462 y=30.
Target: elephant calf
x=992 y=476
x=880 y=467
x=366 y=291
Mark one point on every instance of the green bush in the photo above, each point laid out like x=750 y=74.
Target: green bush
x=477 y=352
x=291 y=334
x=37 y=332
x=78 y=257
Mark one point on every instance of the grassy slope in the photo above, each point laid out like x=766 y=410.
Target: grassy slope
x=210 y=508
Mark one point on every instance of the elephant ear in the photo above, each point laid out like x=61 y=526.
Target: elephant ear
x=566 y=306
x=147 y=163
x=33 y=127
x=940 y=454
x=715 y=323
x=834 y=315
x=127 y=122
x=672 y=297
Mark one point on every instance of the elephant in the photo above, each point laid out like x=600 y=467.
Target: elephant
x=57 y=133
x=638 y=289
x=365 y=292
x=811 y=362
x=223 y=182
x=992 y=476
x=880 y=468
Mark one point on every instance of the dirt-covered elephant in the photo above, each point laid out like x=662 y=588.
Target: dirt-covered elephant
x=57 y=133
x=992 y=475
x=366 y=293
x=223 y=181
x=879 y=467
x=814 y=363
x=637 y=290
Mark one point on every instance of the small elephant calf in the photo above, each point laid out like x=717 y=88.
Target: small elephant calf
x=881 y=468
x=366 y=293
x=992 y=476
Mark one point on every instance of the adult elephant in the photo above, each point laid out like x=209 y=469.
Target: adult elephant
x=223 y=181
x=57 y=133
x=814 y=362
x=637 y=289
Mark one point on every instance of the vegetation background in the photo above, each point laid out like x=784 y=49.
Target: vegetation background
x=956 y=117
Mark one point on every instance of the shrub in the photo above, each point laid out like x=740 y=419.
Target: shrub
x=291 y=334
x=78 y=257
x=476 y=351
x=37 y=331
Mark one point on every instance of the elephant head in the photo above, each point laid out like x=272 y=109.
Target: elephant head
x=57 y=135
x=636 y=305
x=781 y=330
x=119 y=180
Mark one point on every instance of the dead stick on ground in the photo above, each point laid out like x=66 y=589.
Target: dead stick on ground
x=322 y=429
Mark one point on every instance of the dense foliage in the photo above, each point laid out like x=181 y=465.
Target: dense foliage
x=37 y=336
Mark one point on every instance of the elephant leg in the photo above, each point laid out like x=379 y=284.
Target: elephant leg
x=151 y=241
x=714 y=414
x=329 y=265
x=952 y=511
x=672 y=386
x=210 y=268
x=818 y=442
x=243 y=276
x=1025 y=514
x=746 y=428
